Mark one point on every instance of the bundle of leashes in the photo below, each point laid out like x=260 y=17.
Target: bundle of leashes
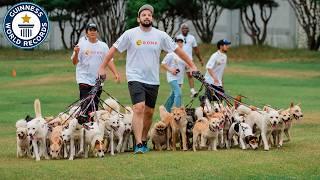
x=213 y=91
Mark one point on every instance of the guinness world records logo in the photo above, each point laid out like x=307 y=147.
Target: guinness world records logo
x=26 y=25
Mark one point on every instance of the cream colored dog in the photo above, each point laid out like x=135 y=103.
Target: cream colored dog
x=23 y=140
x=206 y=131
x=37 y=131
x=266 y=122
x=56 y=142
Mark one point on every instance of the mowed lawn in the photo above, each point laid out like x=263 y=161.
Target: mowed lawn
x=50 y=76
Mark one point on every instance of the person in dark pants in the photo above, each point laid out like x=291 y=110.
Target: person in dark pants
x=88 y=55
x=215 y=68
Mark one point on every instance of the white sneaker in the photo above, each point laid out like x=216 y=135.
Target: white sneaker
x=193 y=93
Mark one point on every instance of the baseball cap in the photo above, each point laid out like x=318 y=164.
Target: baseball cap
x=145 y=7
x=179 y=38
x=223 y=42
x=91 y=26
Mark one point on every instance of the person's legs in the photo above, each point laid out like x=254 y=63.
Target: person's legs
x=169 y=102
x=191 y=84
x=177 y=93
x=138 y=121
x=151 y=98
x=84 y=90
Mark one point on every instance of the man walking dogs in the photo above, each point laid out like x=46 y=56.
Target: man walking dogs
x=143 y=44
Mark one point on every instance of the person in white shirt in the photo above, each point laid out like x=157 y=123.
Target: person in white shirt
x=190 y=44
x=88 y=55
x=175 y=68
x=215 y=68
x=143 y=44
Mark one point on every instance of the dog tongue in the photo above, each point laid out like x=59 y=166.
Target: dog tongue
x=273 y=126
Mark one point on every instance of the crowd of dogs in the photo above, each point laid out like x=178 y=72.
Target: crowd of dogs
x=209 y=126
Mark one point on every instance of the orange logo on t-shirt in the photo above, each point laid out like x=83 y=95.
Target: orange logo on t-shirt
x=139 y=42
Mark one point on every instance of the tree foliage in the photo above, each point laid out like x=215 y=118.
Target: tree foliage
x=254 y=15
x=308 y=14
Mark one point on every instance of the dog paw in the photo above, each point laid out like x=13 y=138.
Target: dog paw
x=71 y=159
x=47 y=158
x=37 y=159
x=266 y=149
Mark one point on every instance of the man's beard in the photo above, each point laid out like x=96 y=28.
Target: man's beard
x=146 y=25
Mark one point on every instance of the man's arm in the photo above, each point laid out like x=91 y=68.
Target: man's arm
x=213 y=75
x=197 y=52
x=75 y=54
x=167 y=68
x=185 y=58
x=113 y=69
x=107 y=59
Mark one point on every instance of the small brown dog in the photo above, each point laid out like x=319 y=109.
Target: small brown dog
x=208 y=130
x=158 y=136
x=176 y=123
x=56 y=142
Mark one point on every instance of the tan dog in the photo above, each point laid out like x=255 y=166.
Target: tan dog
x=158 y=136
x=208 y=131
x=295 y=113
x=56 y=142
x=23 y=140
x=177 y=125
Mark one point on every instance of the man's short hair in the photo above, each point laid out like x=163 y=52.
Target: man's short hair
x=184 y=25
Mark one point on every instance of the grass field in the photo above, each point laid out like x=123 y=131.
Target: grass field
x=274 y=77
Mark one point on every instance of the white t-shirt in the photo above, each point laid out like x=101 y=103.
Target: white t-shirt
x=174 y=61
x=143 y=53
x=90 y=57
x=189 y=43
x=217 y=63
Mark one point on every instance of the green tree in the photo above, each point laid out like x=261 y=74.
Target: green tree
x=110 y=18
x=168 y=14
x=251 y=13
x=204 y=15
x=308 y=15
x=67 y=12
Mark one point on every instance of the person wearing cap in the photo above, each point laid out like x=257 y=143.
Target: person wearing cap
x=143 y=45
x=175 y=68
x=87 y=56
x=189 y=45
x=215 y=68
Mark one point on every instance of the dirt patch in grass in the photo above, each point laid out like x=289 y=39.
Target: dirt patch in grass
x=41 y=81
x=272 y=73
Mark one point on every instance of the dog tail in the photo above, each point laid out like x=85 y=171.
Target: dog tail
x=111 y=105
x=243 y=110
x=163 y=111
x=128 y=110
x=37 y=108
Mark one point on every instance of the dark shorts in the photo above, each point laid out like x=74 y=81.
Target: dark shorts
x=84 y=92
x=141 y=92
x=212 y=96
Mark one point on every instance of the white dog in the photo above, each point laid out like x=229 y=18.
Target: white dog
x=76 y=135
x=266 y=122
x=244 y=132
x=116 y=134
x=37 y=131
x=127 y=121
x=23 y=140
x=94 y=139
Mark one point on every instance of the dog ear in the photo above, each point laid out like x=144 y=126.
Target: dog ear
x=291 y=104
x=280 y=110
x=299 y=104
x=102 y=141
x=97 y=142
x=60 y=142
x=182 y=108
